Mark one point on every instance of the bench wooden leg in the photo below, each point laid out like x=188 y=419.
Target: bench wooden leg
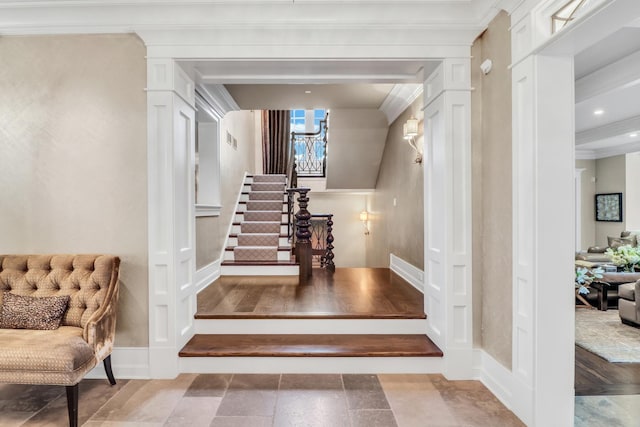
x=72 y=404
x=107 y=368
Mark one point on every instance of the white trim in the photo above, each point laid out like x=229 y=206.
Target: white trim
x=218 y=97
x=207 y=275
x=502 y=383
x=126 y=363
x=399 y=99
x=621 y=127
x=413 y=275
x=578 y=211
x=207 y=210
x=311 y=326
x=312 y=365
x=236 y=206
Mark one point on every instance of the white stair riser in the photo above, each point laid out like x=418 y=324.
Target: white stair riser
x=312 y=365
x=259 y=270
x=311 y=326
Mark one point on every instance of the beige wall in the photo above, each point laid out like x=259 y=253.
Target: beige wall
x=73 y=157
x=491 y=169
x=356 y=142
x=211 y=232
x=587 y=201
x=348 y=231
x=610 y=178
x=398 y=229
x=632 y=193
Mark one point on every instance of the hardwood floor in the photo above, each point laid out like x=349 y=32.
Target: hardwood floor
x=310 y=345
x=597 y=377
x=361 y=293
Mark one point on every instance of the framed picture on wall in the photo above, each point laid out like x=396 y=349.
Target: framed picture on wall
x=609 y=207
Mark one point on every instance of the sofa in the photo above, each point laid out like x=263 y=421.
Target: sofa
x=628 y=306
x=596 y=254
x=38 y=292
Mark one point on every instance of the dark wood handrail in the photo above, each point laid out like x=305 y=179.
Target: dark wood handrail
x=302 y=233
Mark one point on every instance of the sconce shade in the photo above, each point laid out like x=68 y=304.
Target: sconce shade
x=411 y=127
x=364 y=216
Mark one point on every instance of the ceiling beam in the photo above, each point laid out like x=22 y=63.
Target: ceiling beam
x=622 y=73
x=622 y=127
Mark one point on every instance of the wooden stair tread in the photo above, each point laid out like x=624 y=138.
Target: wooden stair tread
x=308 y=315
x=280 y=248
x=245 y=263
x=348 y=345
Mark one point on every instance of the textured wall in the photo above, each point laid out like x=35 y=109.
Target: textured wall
x=398 y=229
x=73 y=156
x=610 y=174
x=491 y=137
x=347 y=229
x=632 y=195
x=587 y=208
x=211 y=232
x=356 y=142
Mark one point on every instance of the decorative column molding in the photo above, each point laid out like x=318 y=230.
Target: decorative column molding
x=171 y=151
x=447 y=210
x=543 y=217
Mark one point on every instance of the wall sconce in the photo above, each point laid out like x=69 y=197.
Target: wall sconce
x=364 y=217
x=409 y=132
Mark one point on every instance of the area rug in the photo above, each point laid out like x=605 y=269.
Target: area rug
x=602 y=333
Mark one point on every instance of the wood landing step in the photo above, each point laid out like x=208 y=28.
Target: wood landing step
x=347 y=345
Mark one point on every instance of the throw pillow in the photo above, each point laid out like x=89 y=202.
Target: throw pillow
x=24 y=312
x=615 y=242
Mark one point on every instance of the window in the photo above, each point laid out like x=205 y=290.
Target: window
x=566 y=14
x=309 y=127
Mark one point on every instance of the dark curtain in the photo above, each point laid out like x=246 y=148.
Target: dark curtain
x=275 y=141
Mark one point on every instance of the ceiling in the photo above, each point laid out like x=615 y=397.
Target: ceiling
x=607 y=110
x=309 y=96
x=309 y=83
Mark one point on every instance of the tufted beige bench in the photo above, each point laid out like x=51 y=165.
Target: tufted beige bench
x=85 y=337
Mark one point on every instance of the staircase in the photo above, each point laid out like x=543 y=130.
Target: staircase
x=257 y=244
x=355 y=324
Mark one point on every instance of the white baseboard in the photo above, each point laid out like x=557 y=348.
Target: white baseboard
x=504 y=385
x=126 y=363
x=408 y=272
x=206 y=275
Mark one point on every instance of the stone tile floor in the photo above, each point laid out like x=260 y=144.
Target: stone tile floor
x=240 y=400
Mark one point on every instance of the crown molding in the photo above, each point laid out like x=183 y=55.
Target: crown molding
x=399 y=99
x=621 y=73
x=632 y=124
x=217 y=96
x=91 y=16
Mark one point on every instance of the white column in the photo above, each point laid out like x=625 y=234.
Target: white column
x=448 y=213
x=578 y=207
x=171 y=151
x=543 y=232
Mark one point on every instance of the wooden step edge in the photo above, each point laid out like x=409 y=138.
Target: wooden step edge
x=259 y=263
x=240 y=223
x=236 y=234
x=280 y=248
x=320 y=345
x=313 y=316
x=244 y=202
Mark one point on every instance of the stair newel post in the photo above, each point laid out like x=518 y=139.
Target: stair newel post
x=303 y=234
x=328 y=257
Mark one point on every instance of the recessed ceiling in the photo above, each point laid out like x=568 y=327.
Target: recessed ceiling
x=607 y=84
x=308 y=96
